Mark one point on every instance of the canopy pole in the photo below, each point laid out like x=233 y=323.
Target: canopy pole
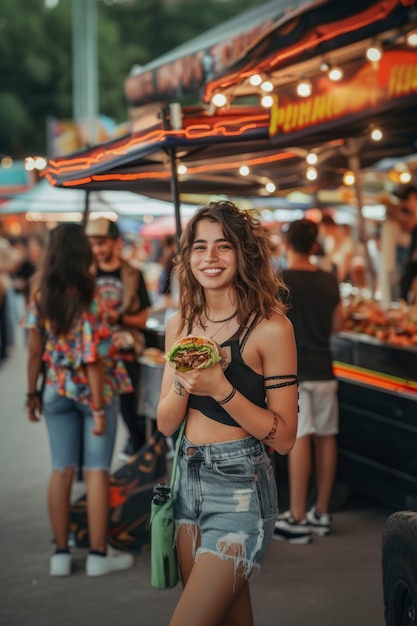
x=175 y=191
x=86 y=209
x=353 y=144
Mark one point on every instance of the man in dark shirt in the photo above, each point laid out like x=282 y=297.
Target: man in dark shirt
x=122 y=289
x=315 y=311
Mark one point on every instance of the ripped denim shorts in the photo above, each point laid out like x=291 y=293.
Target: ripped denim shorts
x=227 y=490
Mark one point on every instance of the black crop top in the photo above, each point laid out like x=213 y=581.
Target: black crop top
x=240 y=376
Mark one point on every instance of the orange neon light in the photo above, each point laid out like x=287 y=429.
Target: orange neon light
x=194 y=131
x=197 y=169
x=331 y=32
x=368 y=377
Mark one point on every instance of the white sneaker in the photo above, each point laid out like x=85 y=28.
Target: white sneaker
x=60 y=564
x=321 y=523
x=114 y=561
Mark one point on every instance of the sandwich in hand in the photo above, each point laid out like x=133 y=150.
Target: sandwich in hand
x=193 y=352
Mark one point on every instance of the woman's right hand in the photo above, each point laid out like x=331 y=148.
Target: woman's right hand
x=34 y=406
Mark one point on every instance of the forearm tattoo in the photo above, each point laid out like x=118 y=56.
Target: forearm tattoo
x=179 y=389
x=271 y=435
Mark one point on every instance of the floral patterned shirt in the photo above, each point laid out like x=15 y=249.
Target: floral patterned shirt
x=65 y=355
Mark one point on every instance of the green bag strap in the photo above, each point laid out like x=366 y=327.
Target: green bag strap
x=177 y=449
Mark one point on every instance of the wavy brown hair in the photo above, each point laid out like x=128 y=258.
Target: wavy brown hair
x=256 y=285
x=65 y=285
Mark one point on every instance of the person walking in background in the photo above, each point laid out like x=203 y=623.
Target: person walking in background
x=167 y=284
x=315 y=311
x=225 y=498
x=338 y=245
x=408 y=199
x=68 y=331
x=123 y=291
x=395 y=245
x=10 y=258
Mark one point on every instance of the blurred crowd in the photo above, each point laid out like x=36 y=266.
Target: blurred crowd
x=382 y=265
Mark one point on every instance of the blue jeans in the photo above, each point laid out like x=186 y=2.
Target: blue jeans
x=228 y=491
x=67 y=421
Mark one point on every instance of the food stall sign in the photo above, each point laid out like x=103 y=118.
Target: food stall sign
x=368 y=89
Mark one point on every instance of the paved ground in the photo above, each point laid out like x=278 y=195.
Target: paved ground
x=335 y=580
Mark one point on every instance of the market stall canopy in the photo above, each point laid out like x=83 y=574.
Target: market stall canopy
x=44 y=201
x=313 y=40
x=188 y=67
x=212 y=150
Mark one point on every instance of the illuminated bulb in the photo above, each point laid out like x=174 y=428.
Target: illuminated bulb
x=311 y=173
x=267 y=101
x=304 y=88
x=374 y=53
x=244 y=170
x=405 y=177
x=324 y=67
x=335 y=74
x=182 y=169
x=348 y=179
x=7 y=162
x=219 y=100
x=270 y=187
x=376 y=134
x=255 y=80
x=311 y=158
x=40 y=163
x=267 y=86
x=29 y=164
x=411 y=39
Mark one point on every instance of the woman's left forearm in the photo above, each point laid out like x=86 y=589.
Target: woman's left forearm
x=277 y=430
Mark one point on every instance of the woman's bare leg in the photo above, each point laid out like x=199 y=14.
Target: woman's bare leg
x=300 y=465
x=59 y=495
x=98 y=496
x=213 y=595
x=326 y=465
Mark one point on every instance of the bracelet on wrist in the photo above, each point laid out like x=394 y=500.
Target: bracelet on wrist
x=33 y=394
x=229 y=397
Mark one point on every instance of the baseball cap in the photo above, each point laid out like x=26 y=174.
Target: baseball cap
x=302 y=235
x=102 y=227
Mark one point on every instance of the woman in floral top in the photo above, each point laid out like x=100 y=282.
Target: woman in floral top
x=69 y=333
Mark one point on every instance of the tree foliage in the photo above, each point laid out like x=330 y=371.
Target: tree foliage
x=35 y=56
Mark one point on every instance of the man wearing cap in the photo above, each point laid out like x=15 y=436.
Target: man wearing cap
x=315 y=312
x=123 y=291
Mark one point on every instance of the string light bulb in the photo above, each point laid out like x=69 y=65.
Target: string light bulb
x=244 y=170
x=411 y=39
x=255 y=80
x=335 y=73
x=349 y=179
x=311 y=173
x=405 y=177
x=270 y=187
x=376 y=134
x=304 y=88
x=267 y=86
x=267 y=101
x=374 y=52
x=311 y=158
x=182 y=169
x=219 y=100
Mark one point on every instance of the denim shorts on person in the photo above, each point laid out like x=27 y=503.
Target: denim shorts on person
x=67 y=421
x=227 y=490
x=318 y=408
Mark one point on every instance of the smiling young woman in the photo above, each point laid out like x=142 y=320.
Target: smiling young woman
x=225 y=493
